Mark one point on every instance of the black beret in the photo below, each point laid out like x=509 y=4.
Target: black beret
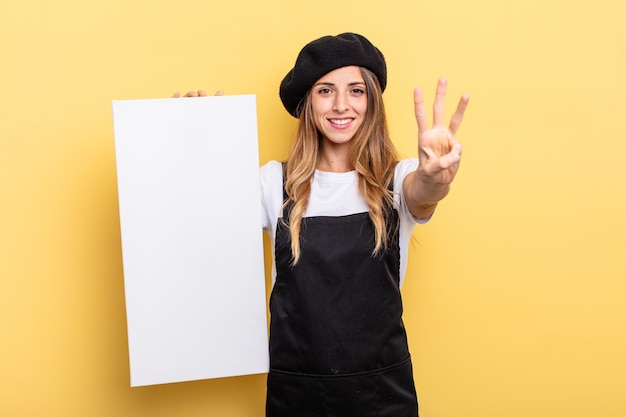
x=324 y=55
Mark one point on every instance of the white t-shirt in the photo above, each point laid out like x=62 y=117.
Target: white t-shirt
x=335 y=194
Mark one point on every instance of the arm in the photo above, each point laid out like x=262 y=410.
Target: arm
x=439 y=154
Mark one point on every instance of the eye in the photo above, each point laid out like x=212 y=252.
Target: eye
x=324 y=90
x=358 y=91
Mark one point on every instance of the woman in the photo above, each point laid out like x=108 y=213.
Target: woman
x=340 y=212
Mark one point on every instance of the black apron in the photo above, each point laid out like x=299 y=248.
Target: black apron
x=338 y=346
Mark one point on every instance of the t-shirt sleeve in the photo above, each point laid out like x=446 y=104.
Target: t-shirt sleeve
x=271 y=175
x=404 y=168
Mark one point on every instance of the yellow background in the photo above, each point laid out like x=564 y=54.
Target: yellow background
x=515 y=300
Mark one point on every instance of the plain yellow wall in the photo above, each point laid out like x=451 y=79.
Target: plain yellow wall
x=515 y=300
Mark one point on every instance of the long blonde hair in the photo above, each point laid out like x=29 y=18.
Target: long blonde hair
x=373 y=155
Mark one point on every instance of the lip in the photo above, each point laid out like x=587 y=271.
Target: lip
x=341 y=123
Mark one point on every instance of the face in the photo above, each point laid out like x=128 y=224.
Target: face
x=339 y=104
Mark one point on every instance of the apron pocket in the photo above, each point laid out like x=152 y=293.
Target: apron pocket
x=384 y=392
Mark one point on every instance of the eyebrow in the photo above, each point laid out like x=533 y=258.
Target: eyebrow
x=332 y=84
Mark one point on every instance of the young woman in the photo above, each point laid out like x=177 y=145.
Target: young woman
x=340 y=212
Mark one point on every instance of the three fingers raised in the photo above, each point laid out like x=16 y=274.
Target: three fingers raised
x=438 y=108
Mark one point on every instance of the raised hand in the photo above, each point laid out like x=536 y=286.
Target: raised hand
x=439 y=153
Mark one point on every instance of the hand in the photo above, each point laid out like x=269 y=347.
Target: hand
x=439 y=151
x=439 y=154
x=199 y=93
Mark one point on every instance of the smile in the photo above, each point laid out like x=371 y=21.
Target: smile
x=340 y=122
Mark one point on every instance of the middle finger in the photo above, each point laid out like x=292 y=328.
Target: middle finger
x=438 y=107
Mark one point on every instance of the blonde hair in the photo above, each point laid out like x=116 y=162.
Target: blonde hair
x=373 y=156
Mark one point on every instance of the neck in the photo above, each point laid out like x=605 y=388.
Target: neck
x=334 y=159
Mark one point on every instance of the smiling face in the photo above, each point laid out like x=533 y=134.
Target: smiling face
x=339 y=104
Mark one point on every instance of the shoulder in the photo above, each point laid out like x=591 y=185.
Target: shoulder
x=406 y=166
x=271 y=170
x=271 y=179
x=271 y=176
x=403 y=168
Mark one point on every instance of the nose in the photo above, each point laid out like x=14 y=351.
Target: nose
x=340 y=104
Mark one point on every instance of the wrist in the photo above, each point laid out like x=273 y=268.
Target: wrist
x=422 y=197
x=427 y=195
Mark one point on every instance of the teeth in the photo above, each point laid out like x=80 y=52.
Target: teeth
x=340 y=121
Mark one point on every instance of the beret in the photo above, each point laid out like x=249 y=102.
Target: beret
x=324 y=55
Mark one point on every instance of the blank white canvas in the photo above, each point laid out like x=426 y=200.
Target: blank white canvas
x=189 y=197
